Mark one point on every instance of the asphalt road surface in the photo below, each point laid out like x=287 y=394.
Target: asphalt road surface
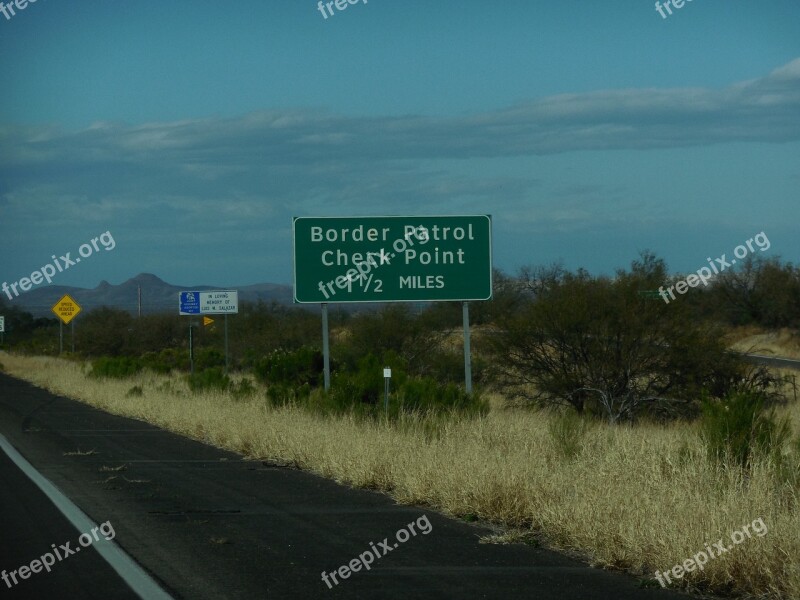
x=771 y=361
x=205 y=523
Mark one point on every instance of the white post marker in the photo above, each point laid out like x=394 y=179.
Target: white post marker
x=387 y=375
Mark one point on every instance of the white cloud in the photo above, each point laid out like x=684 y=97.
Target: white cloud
x=764 y=110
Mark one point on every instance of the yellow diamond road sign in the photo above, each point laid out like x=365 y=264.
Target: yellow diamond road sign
x=66 y=309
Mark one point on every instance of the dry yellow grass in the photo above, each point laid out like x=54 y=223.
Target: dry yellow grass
x=638 y=499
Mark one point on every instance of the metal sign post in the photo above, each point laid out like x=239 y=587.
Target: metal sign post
x=422 y=258
x=226 y=344
x=191 y=349
x=467 y=353
x=65 y=309
x=387 y=376
x=326 y=358
x=215 y=302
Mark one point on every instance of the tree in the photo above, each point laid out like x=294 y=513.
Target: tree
x=105 y=332
x=415 y=339
x=759 y=291
x=597 y=343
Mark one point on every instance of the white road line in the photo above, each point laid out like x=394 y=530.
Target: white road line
x=136 y=577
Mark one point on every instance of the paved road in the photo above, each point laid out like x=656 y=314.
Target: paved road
x=208 y=524
x=31 y=524
x=771 y=361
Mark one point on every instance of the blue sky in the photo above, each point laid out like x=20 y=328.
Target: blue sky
x=194 y=131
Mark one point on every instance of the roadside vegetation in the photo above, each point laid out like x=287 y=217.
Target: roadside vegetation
x=637 y=498
x=605 y=422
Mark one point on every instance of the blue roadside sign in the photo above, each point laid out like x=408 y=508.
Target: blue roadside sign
x=189 y=303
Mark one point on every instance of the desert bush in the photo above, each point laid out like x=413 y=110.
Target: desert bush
x=282 y=394
x=598 y=345
x=105 y=332
x=209 y=379
x=115 y=367
x=738 y=427
x=261 y=328
x=568 y=431
x=760 y=290
x=425 y=394
x=298 y=367
x=26 y=333
x=358 y=392
x=40 y=341
x=151 y=333
x=208 y=358
x=415 y=339
x=166 y=360
x=243 y=389
x=362 y=391
x=448 y=366
x=363 y=386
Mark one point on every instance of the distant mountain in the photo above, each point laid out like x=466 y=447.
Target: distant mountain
x=157 y=295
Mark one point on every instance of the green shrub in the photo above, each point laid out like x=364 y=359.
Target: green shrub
x=446 y=365
x=788 y=467
x=302 y=366
x=363 y=392
x=135 y=392
x=279 y=394
x=167 y=388
x=568 y=431
x=244 y=389
x=428 y=395
x=209 y=379
x=282 y=394
x=350 y=391
x=362 y=389
x=166 y=360
x=118 y=367
x=738 y=427
x=208 y=358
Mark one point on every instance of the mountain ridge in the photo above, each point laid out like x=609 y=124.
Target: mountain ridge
x=157 y=295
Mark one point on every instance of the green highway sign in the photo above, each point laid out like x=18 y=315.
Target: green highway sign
x=392 y=259
x=650 y=293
